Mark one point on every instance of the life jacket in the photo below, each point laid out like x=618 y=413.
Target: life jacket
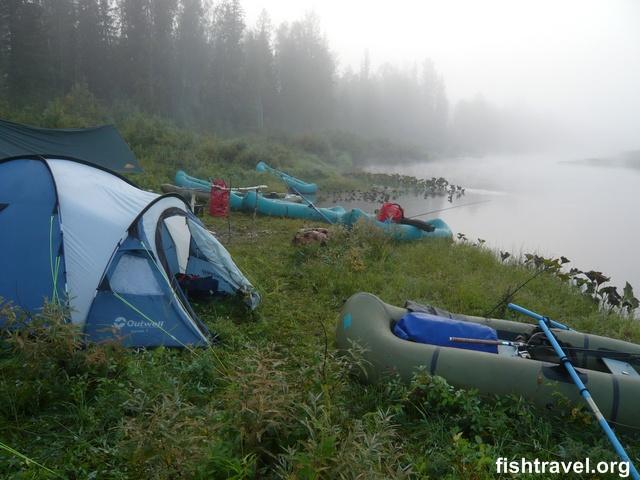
x=219 y=203
x=390 y=212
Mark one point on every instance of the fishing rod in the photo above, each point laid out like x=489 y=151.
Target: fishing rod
x=483 y=341
x=510 y=295
x=449 y=208
x=310 y=204
x=544 y=323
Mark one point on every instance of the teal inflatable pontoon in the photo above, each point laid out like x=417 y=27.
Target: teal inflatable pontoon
x=398 y=231
x=252 y=202
x=187 y=181
x=282 y=208
x=338 y=215
x=295 y=184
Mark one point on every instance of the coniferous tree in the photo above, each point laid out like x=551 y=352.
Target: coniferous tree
x=27 y=52
x=136 y=59
x=306 y=72
x=228 y=104
x=4 y=46
x=95 y=42
x=59 y=19
x=191 y=57
x=162 y=54
x=260 y=75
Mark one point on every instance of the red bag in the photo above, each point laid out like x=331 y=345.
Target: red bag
x=219 y=204
x=390 y=212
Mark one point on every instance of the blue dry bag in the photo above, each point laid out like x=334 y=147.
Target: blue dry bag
x=434 y=330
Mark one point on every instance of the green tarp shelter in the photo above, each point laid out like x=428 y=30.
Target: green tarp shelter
x=102 y=145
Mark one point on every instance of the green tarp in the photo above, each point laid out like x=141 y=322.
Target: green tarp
x=101 y=146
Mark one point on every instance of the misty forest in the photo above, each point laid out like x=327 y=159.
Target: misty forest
x=304 y=239
x=200 y=64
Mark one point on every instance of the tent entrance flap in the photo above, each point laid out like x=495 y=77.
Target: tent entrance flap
x=192 y=255
x=137 y=306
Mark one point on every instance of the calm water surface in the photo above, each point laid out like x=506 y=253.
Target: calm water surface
x=542 y=204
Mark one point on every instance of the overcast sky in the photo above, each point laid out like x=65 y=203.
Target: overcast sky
x=576 y=59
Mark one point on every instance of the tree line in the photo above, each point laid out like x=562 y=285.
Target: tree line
x=202 y=65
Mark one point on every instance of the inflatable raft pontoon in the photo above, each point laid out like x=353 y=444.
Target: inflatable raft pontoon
x=607 y=366
x=251 y=201
x=296 y=185
x=338 y=215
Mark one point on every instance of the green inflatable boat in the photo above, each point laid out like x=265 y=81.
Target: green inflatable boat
x=608 y=367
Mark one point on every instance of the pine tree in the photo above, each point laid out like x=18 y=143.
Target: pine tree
x=228 y=104
x=27 y=56
x=4 y=46
x=260 y=75
x=136 y=59
x=95 y=43
x=306 y=72
x=162 y=53
x=59 y=23
x=191 y=55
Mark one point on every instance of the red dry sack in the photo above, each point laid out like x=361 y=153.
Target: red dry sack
x=219 y=204
x=390 y=212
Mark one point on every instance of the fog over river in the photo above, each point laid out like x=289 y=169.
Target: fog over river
x=545 y=204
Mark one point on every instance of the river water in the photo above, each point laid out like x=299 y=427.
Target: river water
x=545 y=204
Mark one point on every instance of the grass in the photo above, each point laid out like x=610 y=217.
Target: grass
x=266 y=403
x=274 y=399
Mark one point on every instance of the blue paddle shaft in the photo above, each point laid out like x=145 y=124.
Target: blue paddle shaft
x=537 y=317
x=584 y=392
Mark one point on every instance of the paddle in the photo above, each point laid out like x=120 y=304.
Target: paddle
x=544 y=323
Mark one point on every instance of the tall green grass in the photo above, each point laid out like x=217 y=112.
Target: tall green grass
x=274 y=399
x=267 y=402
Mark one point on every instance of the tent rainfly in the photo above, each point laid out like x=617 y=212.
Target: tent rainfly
x=121 y=256
x=101 y=145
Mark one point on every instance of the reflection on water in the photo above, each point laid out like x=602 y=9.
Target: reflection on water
x=542 y=204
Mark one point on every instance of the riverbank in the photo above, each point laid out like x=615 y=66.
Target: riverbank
x=273 y=399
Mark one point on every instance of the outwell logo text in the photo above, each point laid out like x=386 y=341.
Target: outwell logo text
x=121 y=322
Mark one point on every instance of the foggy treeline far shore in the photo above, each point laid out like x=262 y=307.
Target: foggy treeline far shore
x=201 y=64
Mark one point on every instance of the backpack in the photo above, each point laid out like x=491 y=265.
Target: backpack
x=219 y=203
x=390 y=212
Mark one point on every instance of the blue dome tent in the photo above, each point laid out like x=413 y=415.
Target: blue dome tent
x=75 y=231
